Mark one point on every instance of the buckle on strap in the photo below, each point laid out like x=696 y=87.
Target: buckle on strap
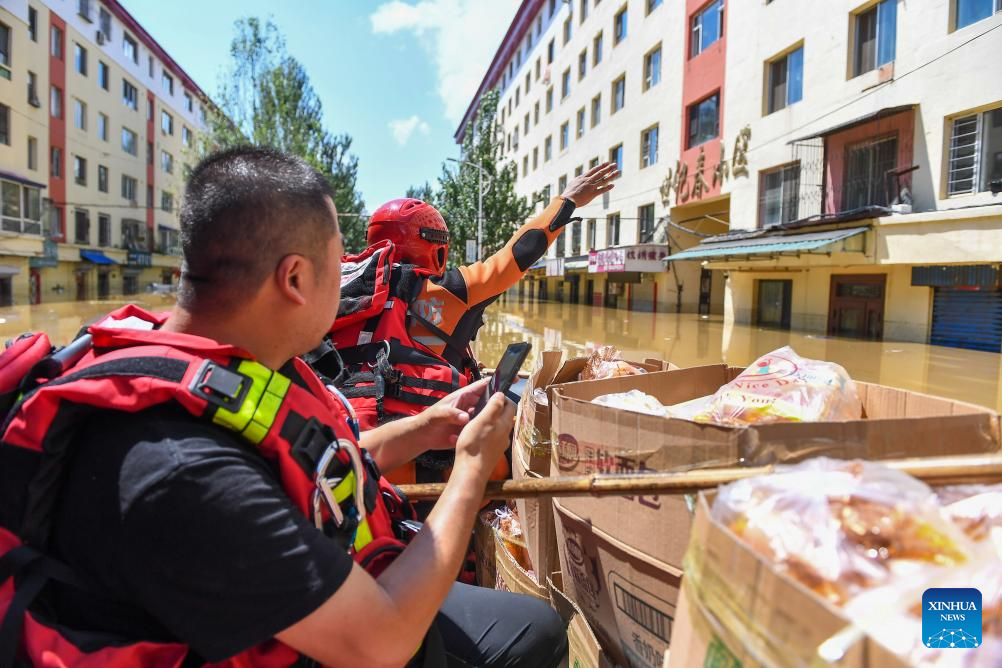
x=325 y=486
x=220 y=386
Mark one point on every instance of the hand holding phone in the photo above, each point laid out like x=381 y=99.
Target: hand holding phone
x=506 y=372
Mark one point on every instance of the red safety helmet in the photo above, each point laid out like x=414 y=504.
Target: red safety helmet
x=417 y=230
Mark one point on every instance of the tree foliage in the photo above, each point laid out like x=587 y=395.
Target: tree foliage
x=504 y=211
x=266 y=98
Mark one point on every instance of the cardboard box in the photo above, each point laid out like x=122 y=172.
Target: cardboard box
x=530 y=453
x=598 y=439
x=737 y=609
x=510 y=576
x=483 y=545
x=583 y=648
x=618 y=552
x=629 y=598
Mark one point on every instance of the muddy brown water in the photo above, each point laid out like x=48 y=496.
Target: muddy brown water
x=690 y=340
x=686 y=340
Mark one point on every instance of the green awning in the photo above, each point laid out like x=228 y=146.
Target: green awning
x=767 y=245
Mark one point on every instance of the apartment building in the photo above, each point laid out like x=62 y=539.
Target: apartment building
x=97 y=122
x=833 y=169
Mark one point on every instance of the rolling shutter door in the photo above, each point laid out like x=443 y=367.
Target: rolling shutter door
x=967 y=319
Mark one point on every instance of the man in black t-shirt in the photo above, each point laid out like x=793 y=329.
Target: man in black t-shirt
x=189 y=532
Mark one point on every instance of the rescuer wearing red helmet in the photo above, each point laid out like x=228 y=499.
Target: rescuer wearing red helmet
x=405 y=325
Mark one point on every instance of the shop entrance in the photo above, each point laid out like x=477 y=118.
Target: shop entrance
x=856 y=306
x=774 y=303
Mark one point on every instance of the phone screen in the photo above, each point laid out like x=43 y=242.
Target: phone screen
x=506 y=372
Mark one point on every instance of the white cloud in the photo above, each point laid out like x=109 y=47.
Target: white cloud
x=403 y=128
x=461 y=37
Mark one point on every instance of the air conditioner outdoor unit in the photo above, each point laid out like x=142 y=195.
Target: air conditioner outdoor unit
x=100 y=37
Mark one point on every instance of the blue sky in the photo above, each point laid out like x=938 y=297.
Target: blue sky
x=394 y=74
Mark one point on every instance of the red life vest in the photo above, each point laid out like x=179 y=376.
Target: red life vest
x=386 y=373
x=303 y=430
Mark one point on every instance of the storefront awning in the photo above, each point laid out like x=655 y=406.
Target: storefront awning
x=97 y=257
x=867 y=118
x=576 y=264
x=11 y=176
x=767 y=245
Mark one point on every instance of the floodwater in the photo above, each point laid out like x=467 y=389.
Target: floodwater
x=686 y=340
x=691 y=340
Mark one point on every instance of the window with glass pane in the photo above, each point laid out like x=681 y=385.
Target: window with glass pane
x=80 y=58
x=649 y=147
x=4 y=124
x=56 y=162
x=167 y=162
x=616 y=156
x=56 y=43
x=592 y=234
x=166 y=123
x=32 y=153
x=558 y=245
x=102 y=74
x=780 y=195
x=79 y=115
x=580 y=126
x=596 y=110
x=103 y=229
x=549 y=99
x=707 y=27
x=565 y=85
x=786 y=80
x=645 y=224
x=130 y=96
x=972 y=11
x=79 y=170
x=105 y=20
x=166 y=201
x=652 y=68
x=584 y=11
x=582 y=64
x=129 y=188
x=567 y=30
x=549 y=52
x=565 y=135
x=876 y=36
x=866 y=170
x=130 y=48
x=618 y=94
x=102 y=127
x=129 y=139
x=612 y=230
x=102 y=178
x=975 y=160
x=11 y=193
x=576 y=239
x=56 y=102
x=704 y=120
x=596 y=49
x=619 y=26
x=81 y=227
x=547 y=149
x=33 y=24
x=562 y=183
x=167 y=82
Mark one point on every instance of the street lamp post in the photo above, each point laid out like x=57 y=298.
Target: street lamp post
x=480 y=202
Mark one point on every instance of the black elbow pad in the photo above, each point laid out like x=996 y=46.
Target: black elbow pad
x=530 y=247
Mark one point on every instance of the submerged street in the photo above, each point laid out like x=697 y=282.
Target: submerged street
x=689 y=340
x=686 y=340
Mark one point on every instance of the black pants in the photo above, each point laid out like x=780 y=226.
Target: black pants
x=485 y=627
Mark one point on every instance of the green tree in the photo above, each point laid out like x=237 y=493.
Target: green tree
x=503 y=210
x=266 y=98
x=422 y=192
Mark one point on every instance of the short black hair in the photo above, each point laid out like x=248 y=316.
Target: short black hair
x=244 y=209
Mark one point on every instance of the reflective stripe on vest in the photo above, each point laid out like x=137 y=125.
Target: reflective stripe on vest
x=260 y=407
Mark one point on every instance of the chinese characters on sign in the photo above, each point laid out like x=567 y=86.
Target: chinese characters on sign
x=647 y=257
x=677 y=180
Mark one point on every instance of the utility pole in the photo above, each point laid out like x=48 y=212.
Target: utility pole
x=480 y=202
